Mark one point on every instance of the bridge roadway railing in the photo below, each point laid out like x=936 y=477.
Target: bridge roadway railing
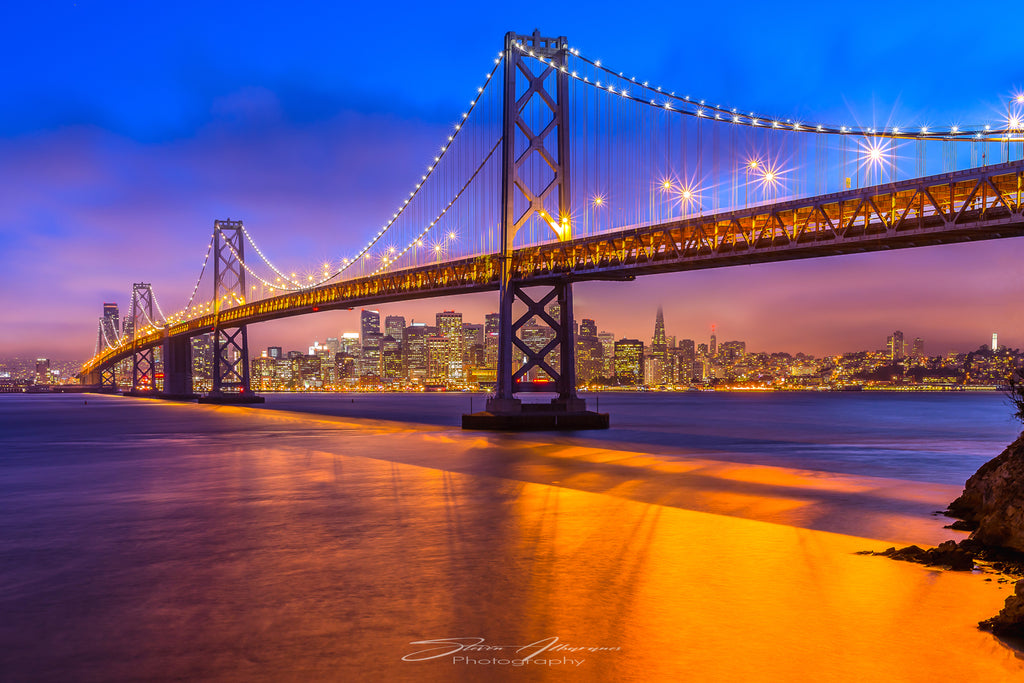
x=975 y=204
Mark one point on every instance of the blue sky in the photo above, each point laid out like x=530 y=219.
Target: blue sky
x=128 y=128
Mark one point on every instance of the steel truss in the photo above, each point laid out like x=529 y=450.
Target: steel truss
x=108 y=377
x=230 y=342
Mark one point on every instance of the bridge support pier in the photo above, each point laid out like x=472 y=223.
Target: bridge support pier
x=177 y=357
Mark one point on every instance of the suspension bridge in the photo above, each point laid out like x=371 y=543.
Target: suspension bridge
x=562 y=169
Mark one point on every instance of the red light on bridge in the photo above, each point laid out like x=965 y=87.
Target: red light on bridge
x=316 y=308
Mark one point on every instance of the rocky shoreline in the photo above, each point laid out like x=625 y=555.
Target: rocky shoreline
x=992 y=509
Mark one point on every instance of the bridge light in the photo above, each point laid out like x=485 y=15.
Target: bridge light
x=598 y=200
x=1019 y=99
x=666 y=185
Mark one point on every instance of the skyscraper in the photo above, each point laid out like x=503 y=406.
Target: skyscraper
x=607 y=340
x=438 y=359
x=369 y=362
x=109 y=328
x=894 y=345
x=369 y=323
x=659 y=344
x=588 y=328
x=449 y=326
x=713 y=349
x=918 y=347
x=414 y=351
x=686 y=354
x=394 y=326
x=391 y=358
x=491 y=327
x=42 y=370
x=629 y=362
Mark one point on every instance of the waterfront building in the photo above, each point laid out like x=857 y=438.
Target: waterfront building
x=369 y=360
x=42 y=371
x=449 y=327
x=346 y=369
x=472 y=335
x=589 y=359
x=894 y=346
x=629 y=362
x=391 y=359
x=491 y=327
x=202 y=361
x=414 y=352
x=607 y=341
x=262 y=372
x=438 y=359
x=686 y=354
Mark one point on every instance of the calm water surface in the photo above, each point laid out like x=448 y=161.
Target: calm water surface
x=319 y=537
x=940 y=438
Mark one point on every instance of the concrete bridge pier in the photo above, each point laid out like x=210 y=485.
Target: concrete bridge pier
x=177 y=357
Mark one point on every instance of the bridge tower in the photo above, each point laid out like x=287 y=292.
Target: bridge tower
x=543 y=143
x=143 y=362
x=230 y=343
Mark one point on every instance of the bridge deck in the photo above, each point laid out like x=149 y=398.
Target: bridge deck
x=975 y=204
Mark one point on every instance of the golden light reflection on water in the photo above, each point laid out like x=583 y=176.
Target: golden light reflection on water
x=483 y=553
x=291 y=547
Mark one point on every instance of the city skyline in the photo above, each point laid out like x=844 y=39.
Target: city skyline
x=311 y=155
x=401 y=310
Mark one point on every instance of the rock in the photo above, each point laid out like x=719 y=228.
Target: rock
x=962 y=525
x=1010 y=620
x=949 y=555
x=993 y=498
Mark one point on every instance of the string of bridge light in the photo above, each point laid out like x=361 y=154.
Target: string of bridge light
x=346 y=264
x=209 y=249
x=418 y=240
x=256 y=275
x=688 y=107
